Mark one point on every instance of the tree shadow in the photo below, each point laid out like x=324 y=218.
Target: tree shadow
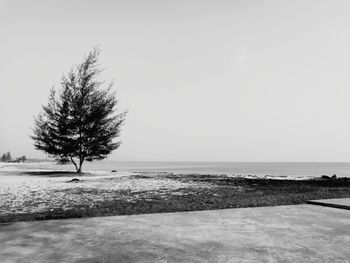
x=53 y=173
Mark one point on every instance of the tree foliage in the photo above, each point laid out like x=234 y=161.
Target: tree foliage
x=6 y=157
x=79 y=123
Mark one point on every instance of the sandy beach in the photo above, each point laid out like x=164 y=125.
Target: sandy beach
x=36 y=194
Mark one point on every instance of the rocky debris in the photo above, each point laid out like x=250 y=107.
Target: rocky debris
x=74 y=180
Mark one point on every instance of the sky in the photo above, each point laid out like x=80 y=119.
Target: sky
x=221 y=81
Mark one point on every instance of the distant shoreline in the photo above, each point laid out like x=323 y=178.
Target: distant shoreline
x=249 y=170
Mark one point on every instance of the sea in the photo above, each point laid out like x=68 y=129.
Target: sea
x=270 y=169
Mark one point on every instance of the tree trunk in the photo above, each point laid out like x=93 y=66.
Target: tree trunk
x=80 y=165
x=75 y=165
x=77 y=168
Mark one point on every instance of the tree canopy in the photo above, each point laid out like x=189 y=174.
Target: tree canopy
x=80 y=122
x=6 y=157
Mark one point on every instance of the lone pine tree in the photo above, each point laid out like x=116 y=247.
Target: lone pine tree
x=79 y=123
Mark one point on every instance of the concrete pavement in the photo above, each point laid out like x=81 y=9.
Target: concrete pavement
x=301 y=233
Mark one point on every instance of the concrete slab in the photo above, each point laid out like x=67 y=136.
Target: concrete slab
x=303 y=233
x=343 y=203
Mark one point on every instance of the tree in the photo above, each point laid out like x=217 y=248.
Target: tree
x=6 y=157
x=79 y=123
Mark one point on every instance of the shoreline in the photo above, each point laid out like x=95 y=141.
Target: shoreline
x=302 y=170
x=32 y=168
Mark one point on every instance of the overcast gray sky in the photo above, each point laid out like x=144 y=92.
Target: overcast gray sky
x=203 y=80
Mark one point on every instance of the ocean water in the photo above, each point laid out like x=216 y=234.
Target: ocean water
x=297 y=169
